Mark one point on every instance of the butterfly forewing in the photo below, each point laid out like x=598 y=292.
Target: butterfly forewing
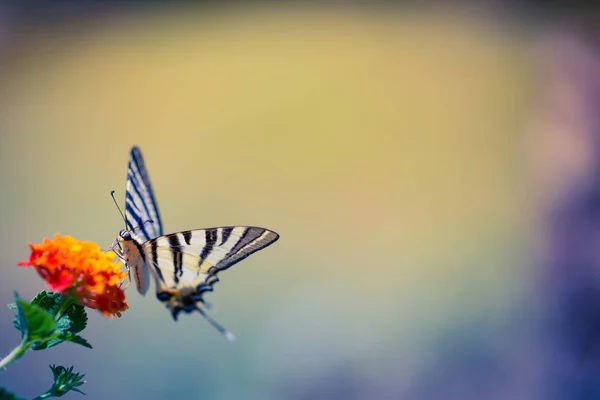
x=141 y=210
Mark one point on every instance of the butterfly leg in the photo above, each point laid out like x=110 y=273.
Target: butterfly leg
x=128 y=280
x=128 y=270
x=118 y=250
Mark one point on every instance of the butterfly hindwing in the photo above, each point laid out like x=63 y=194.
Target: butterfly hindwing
x=141 y=210
x=192 y=258
x=247 y=242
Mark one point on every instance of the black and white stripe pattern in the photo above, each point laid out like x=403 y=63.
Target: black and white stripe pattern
x=141 y=211
x=194 y=256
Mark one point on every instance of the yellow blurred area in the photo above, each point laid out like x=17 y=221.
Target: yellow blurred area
x=385 y=148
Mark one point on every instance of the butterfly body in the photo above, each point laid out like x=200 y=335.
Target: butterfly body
x=132 y=254
x=184 y=265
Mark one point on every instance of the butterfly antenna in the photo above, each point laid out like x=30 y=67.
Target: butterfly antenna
x=112 y=194
x=228 y=335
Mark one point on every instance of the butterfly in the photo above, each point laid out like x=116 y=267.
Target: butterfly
x=185 y=264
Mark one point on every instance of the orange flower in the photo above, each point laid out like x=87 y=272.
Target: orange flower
x=80 y=269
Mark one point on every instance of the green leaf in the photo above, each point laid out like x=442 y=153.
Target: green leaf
x=17 y=320
x=70 y=317
x=6 y=395
x=74 y=320
x=62 y=336
x=77 y=339
x=64 y=381
x=13 y=306
x=35 y=324
x=53 y=341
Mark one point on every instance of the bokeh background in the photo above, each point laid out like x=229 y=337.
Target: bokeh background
x=432 y=171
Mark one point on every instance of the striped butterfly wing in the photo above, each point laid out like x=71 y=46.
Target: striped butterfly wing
x=141 y=210
x=186 y=264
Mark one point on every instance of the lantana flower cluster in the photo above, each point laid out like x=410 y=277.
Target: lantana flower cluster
x=80 y=269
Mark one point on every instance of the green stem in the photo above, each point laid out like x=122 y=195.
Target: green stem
x=15 y=354
x=43 y=396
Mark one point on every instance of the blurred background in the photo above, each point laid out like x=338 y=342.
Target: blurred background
x=433 y=172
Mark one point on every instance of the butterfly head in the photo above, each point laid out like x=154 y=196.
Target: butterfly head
x=125 y=235
x=122 y=244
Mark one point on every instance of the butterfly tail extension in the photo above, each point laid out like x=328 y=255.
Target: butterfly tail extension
x=177 y=303
x=228 y=335
x=207 y=305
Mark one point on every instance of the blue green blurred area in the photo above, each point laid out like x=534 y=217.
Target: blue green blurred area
x=389 y=147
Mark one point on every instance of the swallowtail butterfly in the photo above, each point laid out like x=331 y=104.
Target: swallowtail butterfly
x=185 y=264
